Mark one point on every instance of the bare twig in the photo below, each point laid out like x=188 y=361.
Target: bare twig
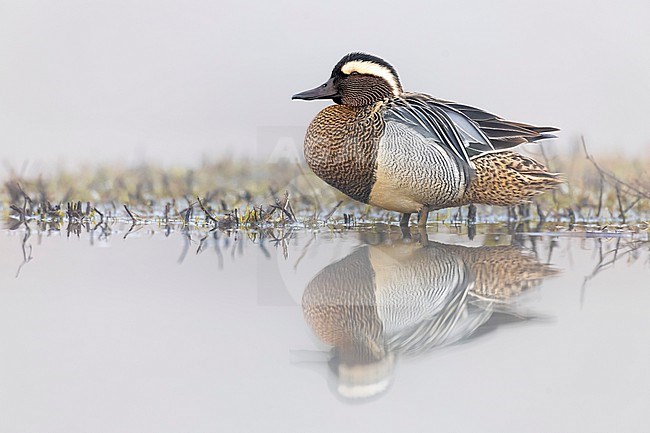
x=208 y=215
x=600 y=196
x=101 y=215
x=133 y=219
x=621 y=213
x=605 y=173
x=330 y=213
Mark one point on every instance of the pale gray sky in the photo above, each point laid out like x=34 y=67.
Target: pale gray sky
x=171 y=81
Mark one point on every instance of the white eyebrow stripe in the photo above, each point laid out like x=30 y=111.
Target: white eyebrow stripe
x=371 y=68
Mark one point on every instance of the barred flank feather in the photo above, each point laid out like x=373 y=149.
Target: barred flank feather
x=509 y=178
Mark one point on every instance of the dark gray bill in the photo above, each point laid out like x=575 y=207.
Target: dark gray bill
x=324 y=91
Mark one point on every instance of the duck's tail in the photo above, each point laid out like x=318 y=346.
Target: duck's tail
x=508 y=178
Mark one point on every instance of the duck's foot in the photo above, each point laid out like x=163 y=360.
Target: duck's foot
x=424 y=215
x=404 y=221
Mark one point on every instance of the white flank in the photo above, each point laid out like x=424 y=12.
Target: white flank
x=371 y=68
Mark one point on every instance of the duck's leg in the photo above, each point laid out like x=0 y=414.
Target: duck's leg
x=404 y=221
x=424 y=236
x=471 y=214
x=406 y=232
x=424 y=215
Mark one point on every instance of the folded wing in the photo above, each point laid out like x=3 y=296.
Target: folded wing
x=463 y=130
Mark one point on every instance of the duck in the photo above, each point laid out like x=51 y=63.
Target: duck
x=410 y=152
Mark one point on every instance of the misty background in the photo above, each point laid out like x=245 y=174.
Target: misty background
x=173 y=82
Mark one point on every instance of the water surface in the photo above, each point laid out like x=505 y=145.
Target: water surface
x=329 y=330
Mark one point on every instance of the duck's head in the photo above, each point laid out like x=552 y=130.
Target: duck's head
x=357 y=80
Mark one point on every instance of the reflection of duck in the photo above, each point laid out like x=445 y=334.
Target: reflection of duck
x=386 y=300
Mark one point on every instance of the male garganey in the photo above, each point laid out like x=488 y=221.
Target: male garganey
x=410 y=152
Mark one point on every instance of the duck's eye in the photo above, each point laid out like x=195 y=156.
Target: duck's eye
x=354 y=73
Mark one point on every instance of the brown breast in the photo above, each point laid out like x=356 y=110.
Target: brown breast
x=341 y=148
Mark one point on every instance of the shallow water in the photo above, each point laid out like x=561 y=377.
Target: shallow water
x=334 y=330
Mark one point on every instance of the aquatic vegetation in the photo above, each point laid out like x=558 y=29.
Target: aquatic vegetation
x=227 y=194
